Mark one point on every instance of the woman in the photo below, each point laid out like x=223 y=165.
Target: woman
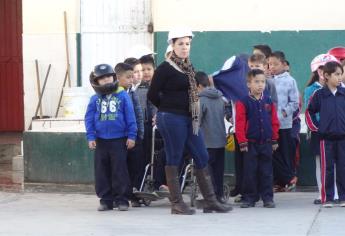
x=174 y=92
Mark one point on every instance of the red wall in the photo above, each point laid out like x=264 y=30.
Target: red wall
x=11 y=66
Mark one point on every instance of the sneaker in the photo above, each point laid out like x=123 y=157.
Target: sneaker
x=238 y=199
x=104 y=207
x=247 y=205
x=122 y=207
x=342 y=203
x=317 y=201
x=163 y=188
x=222 y=199
x=336 y=201
x=269 y=204
x=328 y=204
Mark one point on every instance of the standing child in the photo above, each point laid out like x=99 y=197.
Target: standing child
x=135 y=161
x=316 y=82
x=110 y=130
x=329 y=102
x=212 y=111
x=137 y=71
x=257 y=128
x=288 y=103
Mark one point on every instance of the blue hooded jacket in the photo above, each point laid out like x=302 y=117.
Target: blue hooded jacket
x=110 y=116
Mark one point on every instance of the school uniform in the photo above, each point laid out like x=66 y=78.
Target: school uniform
x=331 y=130
x=110 y=121
x=257 y=128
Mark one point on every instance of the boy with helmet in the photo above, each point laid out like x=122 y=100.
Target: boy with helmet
x=110 y=130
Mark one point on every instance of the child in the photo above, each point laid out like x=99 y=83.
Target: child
x=329 y=102
x=257 y=128
x=212 y=111
x=339 y=53
x=262 y=49
x=137 y=71
x=288 y=103
x=258 y=61
x=316 y=82
x=135 y=162
x=110 y=130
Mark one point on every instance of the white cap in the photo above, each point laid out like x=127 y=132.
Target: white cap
x=179 y=33
x=139 y=50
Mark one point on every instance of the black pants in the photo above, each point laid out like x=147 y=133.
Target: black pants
x=216 y=165
x=111 y=175
x=284 y=158
x=238 y=167
x=257 y=173
x=135 y=163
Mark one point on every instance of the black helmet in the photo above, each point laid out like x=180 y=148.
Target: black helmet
x=99 y=72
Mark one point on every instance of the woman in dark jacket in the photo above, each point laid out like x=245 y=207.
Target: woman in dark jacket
x=174 y=92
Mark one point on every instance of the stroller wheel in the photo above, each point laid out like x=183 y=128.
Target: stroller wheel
x=146 y=202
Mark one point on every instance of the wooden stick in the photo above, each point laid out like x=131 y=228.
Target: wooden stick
x=67 y=49
x=44 y=87
x=59 y=104
x=38 y=87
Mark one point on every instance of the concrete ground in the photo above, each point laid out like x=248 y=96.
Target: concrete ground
x=50 y=214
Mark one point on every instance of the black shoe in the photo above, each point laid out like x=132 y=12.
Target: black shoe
x=317 y=201
x=336 y=201
x=234 y=192
x=269 y=204
x=247 y=204
x=122 y=207
x=104 y=207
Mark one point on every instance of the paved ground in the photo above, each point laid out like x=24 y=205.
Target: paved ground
x=51 y=214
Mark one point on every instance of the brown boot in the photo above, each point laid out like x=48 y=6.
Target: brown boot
x=206 y=188
x=178 y=206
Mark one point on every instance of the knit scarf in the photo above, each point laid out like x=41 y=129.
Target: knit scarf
x=194 y=107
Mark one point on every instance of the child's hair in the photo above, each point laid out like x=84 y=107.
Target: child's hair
x=253 y=73
x=132 y=61
x=201 y=78
x=258 y=58
x=330 y=67
x=314 y=77
x=279 y=55
x=264 y=48
x=147 y=59
x=121 y=67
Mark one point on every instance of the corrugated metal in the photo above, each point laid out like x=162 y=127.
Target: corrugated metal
x=11 y=68
x=109 y=28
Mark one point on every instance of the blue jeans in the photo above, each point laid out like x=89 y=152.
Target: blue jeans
x=177 y=133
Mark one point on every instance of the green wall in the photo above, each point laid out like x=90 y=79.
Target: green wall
x=210 y=49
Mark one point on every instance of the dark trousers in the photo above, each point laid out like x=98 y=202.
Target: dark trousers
x=332 y=152
x=135 y=164
x=284 y=158
x=111 y=175
x=257 y=173
x=177 y=134
x=216 y=165
x=238 y=167
x=147 y=142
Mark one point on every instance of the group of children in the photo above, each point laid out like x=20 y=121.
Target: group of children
x=119 y=122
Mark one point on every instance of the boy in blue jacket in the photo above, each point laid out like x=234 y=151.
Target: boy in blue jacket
x=110 y=129
x=329 y=103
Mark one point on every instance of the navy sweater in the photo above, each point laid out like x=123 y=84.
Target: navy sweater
x=331 y=109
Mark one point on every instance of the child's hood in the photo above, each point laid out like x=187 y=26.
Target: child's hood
x=211 y=92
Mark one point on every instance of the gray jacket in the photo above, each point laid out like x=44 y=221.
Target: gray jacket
x=288 y=98
x=212 y=117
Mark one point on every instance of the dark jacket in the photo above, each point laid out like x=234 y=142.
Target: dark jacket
x=256 y=120
x=169 y=90
x=139 y=117
x=331 y=109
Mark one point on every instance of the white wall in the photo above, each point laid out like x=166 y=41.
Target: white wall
x=246 y=15
x=109 y=28
x=43 y=39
